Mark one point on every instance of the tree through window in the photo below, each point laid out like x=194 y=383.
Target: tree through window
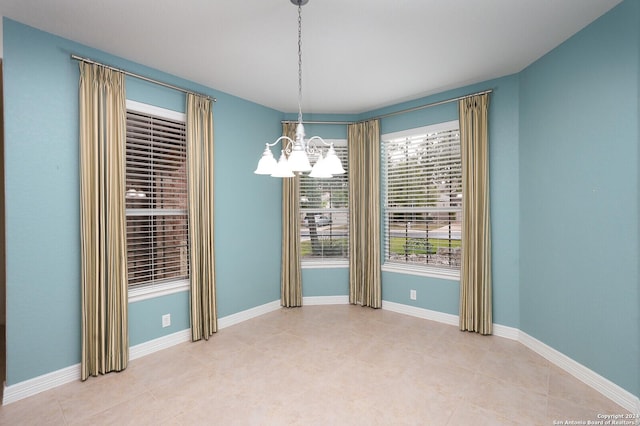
x=324 y=215
x=422 y=174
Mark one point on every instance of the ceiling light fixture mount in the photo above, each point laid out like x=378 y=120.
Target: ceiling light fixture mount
x=294 y=156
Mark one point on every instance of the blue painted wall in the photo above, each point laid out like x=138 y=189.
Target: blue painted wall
x=443 y=295
x=325 y=282
x=564 y=191
x=145 y=317
x=437 y=294
x=579 y=197
x=42 y=213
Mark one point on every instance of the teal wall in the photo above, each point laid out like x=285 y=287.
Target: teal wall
x=325 y=282
x=42 y=204
x=443 y=295
x=145 y=317
x=438 y=294
x=579 y=197
x=564 y=201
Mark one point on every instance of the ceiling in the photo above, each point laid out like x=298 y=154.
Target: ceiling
x=358 y=55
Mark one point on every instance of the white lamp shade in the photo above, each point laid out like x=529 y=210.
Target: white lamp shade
x=267 y=163
x=319 y=170
x=282 y=169
x=298 y=160
x=333 y=163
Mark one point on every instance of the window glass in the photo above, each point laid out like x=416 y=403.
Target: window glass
x=422 y=179
x=324 y=215
x=156 y=199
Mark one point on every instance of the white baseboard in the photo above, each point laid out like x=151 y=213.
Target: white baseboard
x=239 y=317
x=69 y=374
x=155 y=345
x=39 y=384
x=607 y=388
x=420 y=313
x=450 y=319
x=325 y=300
x=506 y=332
x=620 y=396
x=66 y=375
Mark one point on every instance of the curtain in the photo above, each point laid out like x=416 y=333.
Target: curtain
x=475 y=274
x=291 y=272
x=204 y=321
x=365 y=282
x=103 y=246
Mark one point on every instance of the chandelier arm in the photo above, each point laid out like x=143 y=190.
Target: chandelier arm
x=285 y=147
x=318 y=138
x=311 y=147
x=289 y=141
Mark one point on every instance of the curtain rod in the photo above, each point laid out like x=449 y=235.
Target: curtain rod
x=391 y=114
x=141 y=77
x=432 y=104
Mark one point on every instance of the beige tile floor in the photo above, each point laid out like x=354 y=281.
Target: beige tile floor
x=325 y=365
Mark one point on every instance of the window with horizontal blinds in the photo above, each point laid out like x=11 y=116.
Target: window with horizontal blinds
x=156 y=198
x=422 y=178
x=324 y=215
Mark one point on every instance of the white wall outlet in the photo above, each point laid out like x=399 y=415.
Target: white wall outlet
x=412 y=294
x=166 y=320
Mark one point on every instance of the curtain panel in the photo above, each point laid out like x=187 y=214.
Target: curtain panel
x=204 y=321
x=475 y=274
x=104 y=292
x=291 y=270
x=365 y=282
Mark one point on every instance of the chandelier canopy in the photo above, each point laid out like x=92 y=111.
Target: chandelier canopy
x=294 y=156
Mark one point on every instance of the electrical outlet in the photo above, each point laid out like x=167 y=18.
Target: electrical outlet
x=166 y=320
x=412 y=294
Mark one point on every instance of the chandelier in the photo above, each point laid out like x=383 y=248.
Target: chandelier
x=294 y=156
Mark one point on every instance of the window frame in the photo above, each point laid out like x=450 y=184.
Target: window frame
x=335 y=262
x=432 y=271
x=153 y=290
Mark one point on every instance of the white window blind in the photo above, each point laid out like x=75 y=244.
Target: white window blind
x=422 y=176
x=324 y=215
x=156 y=199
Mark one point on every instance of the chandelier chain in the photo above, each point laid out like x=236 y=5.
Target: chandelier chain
x=294 y=156
x=299 y=62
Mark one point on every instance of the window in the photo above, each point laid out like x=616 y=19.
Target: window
x=156 y=201
x=324 y=216
x=422 y=173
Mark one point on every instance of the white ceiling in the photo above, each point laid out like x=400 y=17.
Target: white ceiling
x=358 y=55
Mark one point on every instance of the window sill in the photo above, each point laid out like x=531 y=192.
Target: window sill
x=422 y=271
x=324 y=264
x=136 y=294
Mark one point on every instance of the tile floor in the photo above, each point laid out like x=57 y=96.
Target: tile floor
x=325 y=365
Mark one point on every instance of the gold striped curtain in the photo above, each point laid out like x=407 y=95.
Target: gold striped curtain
x=102 y=108
x=204 y=318
x=291 y=272
x=475 y=274
x=365 y=282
